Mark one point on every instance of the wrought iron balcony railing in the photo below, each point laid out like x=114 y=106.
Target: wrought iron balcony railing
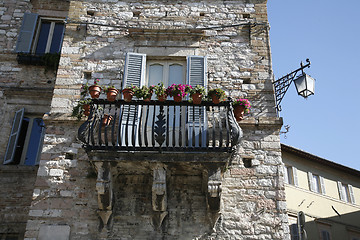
x=160 y=126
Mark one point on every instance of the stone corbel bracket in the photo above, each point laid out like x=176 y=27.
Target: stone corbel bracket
x=159 y=195
x=104 y=190
x=213 y=195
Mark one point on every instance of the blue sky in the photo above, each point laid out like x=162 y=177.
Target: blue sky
x=328 y=33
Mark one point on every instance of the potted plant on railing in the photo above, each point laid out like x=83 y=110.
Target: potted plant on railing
x=95 y=89
x=197 y=94
x=84 y=90
x=144 y=92
x=241 y=106
x=216 y=95
x=160 y=92
x=111 y=93
x=82 y=108
x=178 y=91
x=128 y=92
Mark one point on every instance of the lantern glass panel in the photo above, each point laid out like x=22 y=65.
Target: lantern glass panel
x=305 y=85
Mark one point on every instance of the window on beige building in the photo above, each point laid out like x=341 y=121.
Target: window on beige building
x=324 y=231
x=346 y=192
x=291 y=175
x=316 y=183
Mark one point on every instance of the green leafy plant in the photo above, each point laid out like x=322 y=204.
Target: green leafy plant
x=218 y=92
x=78 y=110
x=160 y=89
x=106 y=89
x=198 y=89
x=144 y=92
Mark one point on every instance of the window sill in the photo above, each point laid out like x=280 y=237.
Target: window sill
x=18 y=168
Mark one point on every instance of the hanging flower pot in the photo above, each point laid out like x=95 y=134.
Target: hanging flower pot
x=128 y=93
x=162 y=97
x=106 y=120
x=111 y=94
x=177 y=98
x=94 y=91
x=241 y=106
x=86 y=108
x=215 y=99
x=216 y=95
x=239 y=112
x=197 y=98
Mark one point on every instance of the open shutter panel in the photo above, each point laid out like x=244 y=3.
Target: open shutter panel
x=296 y=182
x=341 y=193
x=286 y=178
x=352 y=198
x=26 y=34
x=196 y=75
x=322 y=185
x=134 y=74
x=14 y=135
x=311 y=181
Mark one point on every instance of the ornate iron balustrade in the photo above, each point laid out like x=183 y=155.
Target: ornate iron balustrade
x=160 y=126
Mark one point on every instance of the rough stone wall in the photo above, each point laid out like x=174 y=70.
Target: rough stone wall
x=21 y=86
x=239 y=61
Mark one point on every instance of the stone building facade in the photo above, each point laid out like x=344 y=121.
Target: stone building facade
x=78 y=193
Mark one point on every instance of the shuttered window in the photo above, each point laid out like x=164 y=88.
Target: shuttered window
x=346 y=192
x=40 y=35
x=25 y=141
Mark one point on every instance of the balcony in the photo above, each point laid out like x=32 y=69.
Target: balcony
x=155 y=126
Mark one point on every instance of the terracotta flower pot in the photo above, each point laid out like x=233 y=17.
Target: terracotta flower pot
x=147 y=99
x=239 y=112
x=215 y=99
x=177 y=98
x=94 y=91
x=111 y=94
x=86 y=108
x=162 y=98
x=197 y=98
x=128 y=94
x=106 y=120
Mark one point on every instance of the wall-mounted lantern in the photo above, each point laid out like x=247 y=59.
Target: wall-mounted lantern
x=305 y=85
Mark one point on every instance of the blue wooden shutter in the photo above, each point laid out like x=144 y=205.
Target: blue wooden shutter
x=14 y=135
x=134 y=74
x=196 y=75
x=26 y=34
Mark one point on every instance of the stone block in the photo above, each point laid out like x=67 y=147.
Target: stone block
x=54 y=232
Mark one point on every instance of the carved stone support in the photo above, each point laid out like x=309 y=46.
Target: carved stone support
x=104 y=190
x=214 y=189
x=159 y=195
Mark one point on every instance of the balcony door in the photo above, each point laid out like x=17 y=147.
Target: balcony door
x=191 y=122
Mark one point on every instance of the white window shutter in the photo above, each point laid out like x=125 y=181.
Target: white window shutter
x=311 y=181
x=134 y=75
x=14 y=135
x=294 y=171
x=352 y=198
x=322 y=185
x=134 y=72
x=196 y=75
x=26 y=34
x=341 y=193
x=286 y=178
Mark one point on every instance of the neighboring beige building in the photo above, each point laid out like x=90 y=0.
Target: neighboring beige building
x=328 y=193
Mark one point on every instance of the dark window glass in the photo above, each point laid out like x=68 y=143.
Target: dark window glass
x=35 y=141
x=21 y=141
x=43 y=38
x=57 y=37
